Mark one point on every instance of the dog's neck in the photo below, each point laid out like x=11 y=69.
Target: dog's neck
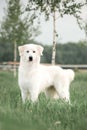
x=29 y=65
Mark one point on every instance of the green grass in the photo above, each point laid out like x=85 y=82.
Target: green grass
x=45 y=114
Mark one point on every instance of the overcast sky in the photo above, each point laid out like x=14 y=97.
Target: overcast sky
x=67 y=27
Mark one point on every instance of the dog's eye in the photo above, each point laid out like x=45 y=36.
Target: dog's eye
x=27 y=51
x=34 y=51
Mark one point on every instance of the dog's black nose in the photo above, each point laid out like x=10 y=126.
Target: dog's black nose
x=30 y=58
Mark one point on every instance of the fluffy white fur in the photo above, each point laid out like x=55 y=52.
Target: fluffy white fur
x=35 y=78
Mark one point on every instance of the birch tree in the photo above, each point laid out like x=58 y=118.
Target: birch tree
x=62 y=7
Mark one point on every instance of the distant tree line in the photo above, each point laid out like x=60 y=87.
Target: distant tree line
x=70 y=53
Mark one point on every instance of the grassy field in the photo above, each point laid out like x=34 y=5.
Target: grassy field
x=45 y=114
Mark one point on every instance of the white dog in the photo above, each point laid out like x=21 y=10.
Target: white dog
x=35 y=78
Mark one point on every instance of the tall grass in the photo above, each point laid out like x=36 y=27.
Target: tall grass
x=46 y=114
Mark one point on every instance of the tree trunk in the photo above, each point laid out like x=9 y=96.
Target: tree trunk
x=54 y=38
x=15 y=57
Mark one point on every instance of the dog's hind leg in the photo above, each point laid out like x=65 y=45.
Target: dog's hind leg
x=63 y=91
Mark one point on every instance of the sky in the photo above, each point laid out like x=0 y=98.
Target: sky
x=67 y=27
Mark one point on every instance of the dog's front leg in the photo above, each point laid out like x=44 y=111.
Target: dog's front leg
x=24 y=95
x=34 y=95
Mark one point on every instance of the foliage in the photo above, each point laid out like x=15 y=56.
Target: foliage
x=86 y=24
x=70 y=53
x=45 y=114
x=6 y=50
x=62 y=7
x=69 y=7
x=46 y=58
x=86 y=29
x=15 y=27
x=15 y=30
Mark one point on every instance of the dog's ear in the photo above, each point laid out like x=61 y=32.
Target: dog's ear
x=40 y=49
x=20 y=49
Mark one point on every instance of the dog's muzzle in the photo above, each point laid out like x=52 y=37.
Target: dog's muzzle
x=30 y=58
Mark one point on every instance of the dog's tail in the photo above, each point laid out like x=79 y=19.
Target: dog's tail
x=71 y=74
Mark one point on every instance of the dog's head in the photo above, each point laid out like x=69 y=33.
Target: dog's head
x=30 y=52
